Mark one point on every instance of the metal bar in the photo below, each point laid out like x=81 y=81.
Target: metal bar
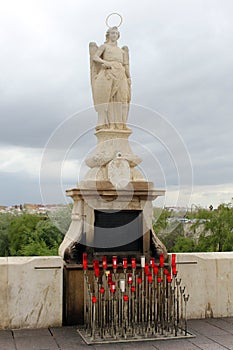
x=186 y=263
x=47 y=267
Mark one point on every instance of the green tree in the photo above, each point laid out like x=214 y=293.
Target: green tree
x=32 y=234
x=5 y=222
x=61 y=217
x=167 y=230
x=220 y=226
x=37 y=248
x=21 y=230
x=205 y=244
x=228 y=243
x=184 y=244
x=211 y=231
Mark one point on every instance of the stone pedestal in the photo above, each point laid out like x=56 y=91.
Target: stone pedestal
x=113 y=184
x=113 y=156
x=103 y=196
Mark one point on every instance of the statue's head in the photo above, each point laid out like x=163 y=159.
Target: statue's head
x=112 y=34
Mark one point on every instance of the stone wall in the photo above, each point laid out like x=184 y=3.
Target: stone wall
x=208 y=278
x=30 y=292
x=31 y=288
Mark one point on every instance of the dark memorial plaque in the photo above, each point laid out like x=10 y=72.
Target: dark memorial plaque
x=118 y=231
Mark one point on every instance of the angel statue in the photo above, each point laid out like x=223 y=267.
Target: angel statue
x=110 y=81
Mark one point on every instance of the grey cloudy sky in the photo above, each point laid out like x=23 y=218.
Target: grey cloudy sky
x=181 y=61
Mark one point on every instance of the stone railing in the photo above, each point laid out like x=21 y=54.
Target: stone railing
x=30 y=292
x=31 y=288
x=208 y=278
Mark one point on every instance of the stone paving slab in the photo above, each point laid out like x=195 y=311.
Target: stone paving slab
x=227 y=319
x=7 y=340
x=67 y=338
x=206 y=328
x=226 y=340
x=200 y=340
x=20 y=333
x=7 y=344
x=211 y=334
x=213 y=346
x=225 y=324
x=206 y=343
x=5 y=334
x=36 y=343
x=175 y=345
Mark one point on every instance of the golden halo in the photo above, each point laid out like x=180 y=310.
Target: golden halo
x=114 y=13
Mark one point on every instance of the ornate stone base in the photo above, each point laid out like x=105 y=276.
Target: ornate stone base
x=113 y=158
x=103 y=196
x=113 y=184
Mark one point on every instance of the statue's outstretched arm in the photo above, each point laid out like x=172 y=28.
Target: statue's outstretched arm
x=97 y=56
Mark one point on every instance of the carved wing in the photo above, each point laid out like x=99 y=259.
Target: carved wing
x=126 y=55
x=94 y=66
x=126 y=64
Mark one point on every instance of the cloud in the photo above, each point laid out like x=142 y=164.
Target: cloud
x=17 y=160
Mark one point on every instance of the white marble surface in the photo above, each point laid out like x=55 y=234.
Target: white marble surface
x=31 y=292
x=209 y=282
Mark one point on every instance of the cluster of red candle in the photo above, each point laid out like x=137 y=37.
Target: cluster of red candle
x=151 y=271
x=129 y=297
x=133 y=263
x=105 y=264
x=157 y=268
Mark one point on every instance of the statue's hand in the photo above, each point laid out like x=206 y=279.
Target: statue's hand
x=106 y=65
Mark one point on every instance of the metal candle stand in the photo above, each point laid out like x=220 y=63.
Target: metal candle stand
x=133 y=302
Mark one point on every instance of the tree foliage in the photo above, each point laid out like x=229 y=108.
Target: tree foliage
x=28 y=235
x=33 y=234
x=5 y=222
x=215 y=226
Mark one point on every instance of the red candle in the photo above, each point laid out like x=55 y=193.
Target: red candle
x=173 y=260
x=174 y=271
x=159 y=279
x=133 y=263
x=146 y=269
x=97 y=271
x=139 y=280
x=104 y=262
x=102 y=290
x=130 y=278
x=96 y=268
x=96 y=264
x=150 y=279
x=125 y=297
x=109 y=278
x=125 y=263
x=166 y=272
x=114 y=262
x=84 y=261
x=94 y=299
x=152 y=262
x=169 y=279
x=161 y=260
x=156 y=270
x=133 y=289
